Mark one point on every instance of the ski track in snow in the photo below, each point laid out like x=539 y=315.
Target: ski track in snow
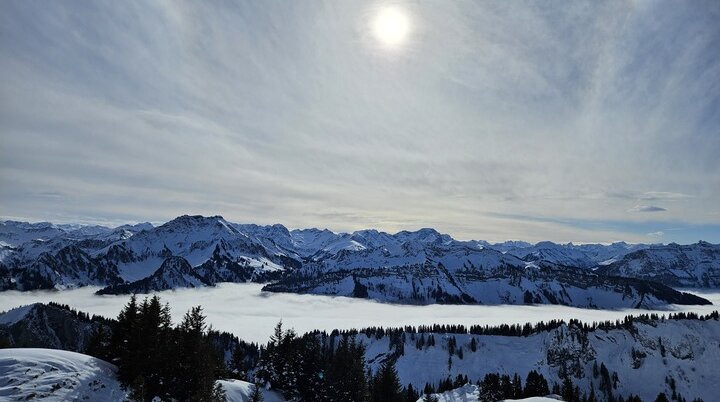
x=249 y=313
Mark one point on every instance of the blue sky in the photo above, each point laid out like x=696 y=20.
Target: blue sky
x=594 y=121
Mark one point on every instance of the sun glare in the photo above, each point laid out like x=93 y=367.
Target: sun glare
x=391 y=26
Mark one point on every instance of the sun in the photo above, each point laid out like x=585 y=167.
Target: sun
x=391 y=26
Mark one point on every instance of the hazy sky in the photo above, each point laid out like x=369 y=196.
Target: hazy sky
x=570 y=121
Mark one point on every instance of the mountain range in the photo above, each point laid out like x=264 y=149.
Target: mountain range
x=422 y=266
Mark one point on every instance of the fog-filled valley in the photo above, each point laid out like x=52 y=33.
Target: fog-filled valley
x=249 y=313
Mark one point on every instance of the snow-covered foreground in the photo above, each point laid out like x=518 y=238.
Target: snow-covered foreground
x=471 y=393
x=60 y=375
x=251 y=314
x=56 y=375
x=240 y=391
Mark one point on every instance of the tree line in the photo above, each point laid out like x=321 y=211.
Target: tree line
x=522 y=330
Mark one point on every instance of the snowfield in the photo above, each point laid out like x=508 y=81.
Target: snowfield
x=56 y=375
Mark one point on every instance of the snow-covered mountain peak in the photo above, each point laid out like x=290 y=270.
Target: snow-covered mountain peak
x=548 y=244
x=197 y=223
x=138 y=227
x=425 y=236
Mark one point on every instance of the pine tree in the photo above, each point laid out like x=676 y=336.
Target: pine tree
x=410 y=394
x=237 y=362
x=592 y=397
x=256 y=395
x=517 y=387
x=346 y=376
x=535 y=385
x=310 y=376
x=567 y=392
x=430 y=398
x=196 y=369
x=124 y=342
x=99 y=343
x=386 y=384
x=662 y=398
x=153 y=333
x=218 y=393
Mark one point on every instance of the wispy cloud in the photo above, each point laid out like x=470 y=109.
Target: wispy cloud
x=659 y=233
x=663 y=195
x=275 y=112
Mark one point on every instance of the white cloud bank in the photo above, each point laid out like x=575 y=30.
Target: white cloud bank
x=251 y=314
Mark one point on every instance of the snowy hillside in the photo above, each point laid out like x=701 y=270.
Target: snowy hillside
x=581 y=256
x=646 y=355
x=56 y=375
x=61 y=258
x=494 y=281
x=240 y=391
x=471 y=393
x=59 y=375
x=694 y=265
x=174 y=273
x=47 y=326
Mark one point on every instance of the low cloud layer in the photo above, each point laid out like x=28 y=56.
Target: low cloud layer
x=269 y=112
x=261 y=311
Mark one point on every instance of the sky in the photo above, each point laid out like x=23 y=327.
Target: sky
x=584 y=121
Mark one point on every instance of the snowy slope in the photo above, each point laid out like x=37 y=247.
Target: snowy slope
x=471 y=393
x=240 y=391
x=47 y=326
x=174 y=273
x=104 y=256
x=581 y=256
x=694 y=265
x=488 y=281
x=191 y=237
x=316 y=243
x=56 y=375
x=16 y=233
x=686 y=350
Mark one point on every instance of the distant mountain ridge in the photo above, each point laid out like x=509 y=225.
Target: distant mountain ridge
x=45 y=256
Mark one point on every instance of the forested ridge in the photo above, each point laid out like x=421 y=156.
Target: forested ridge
x=158 y=359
